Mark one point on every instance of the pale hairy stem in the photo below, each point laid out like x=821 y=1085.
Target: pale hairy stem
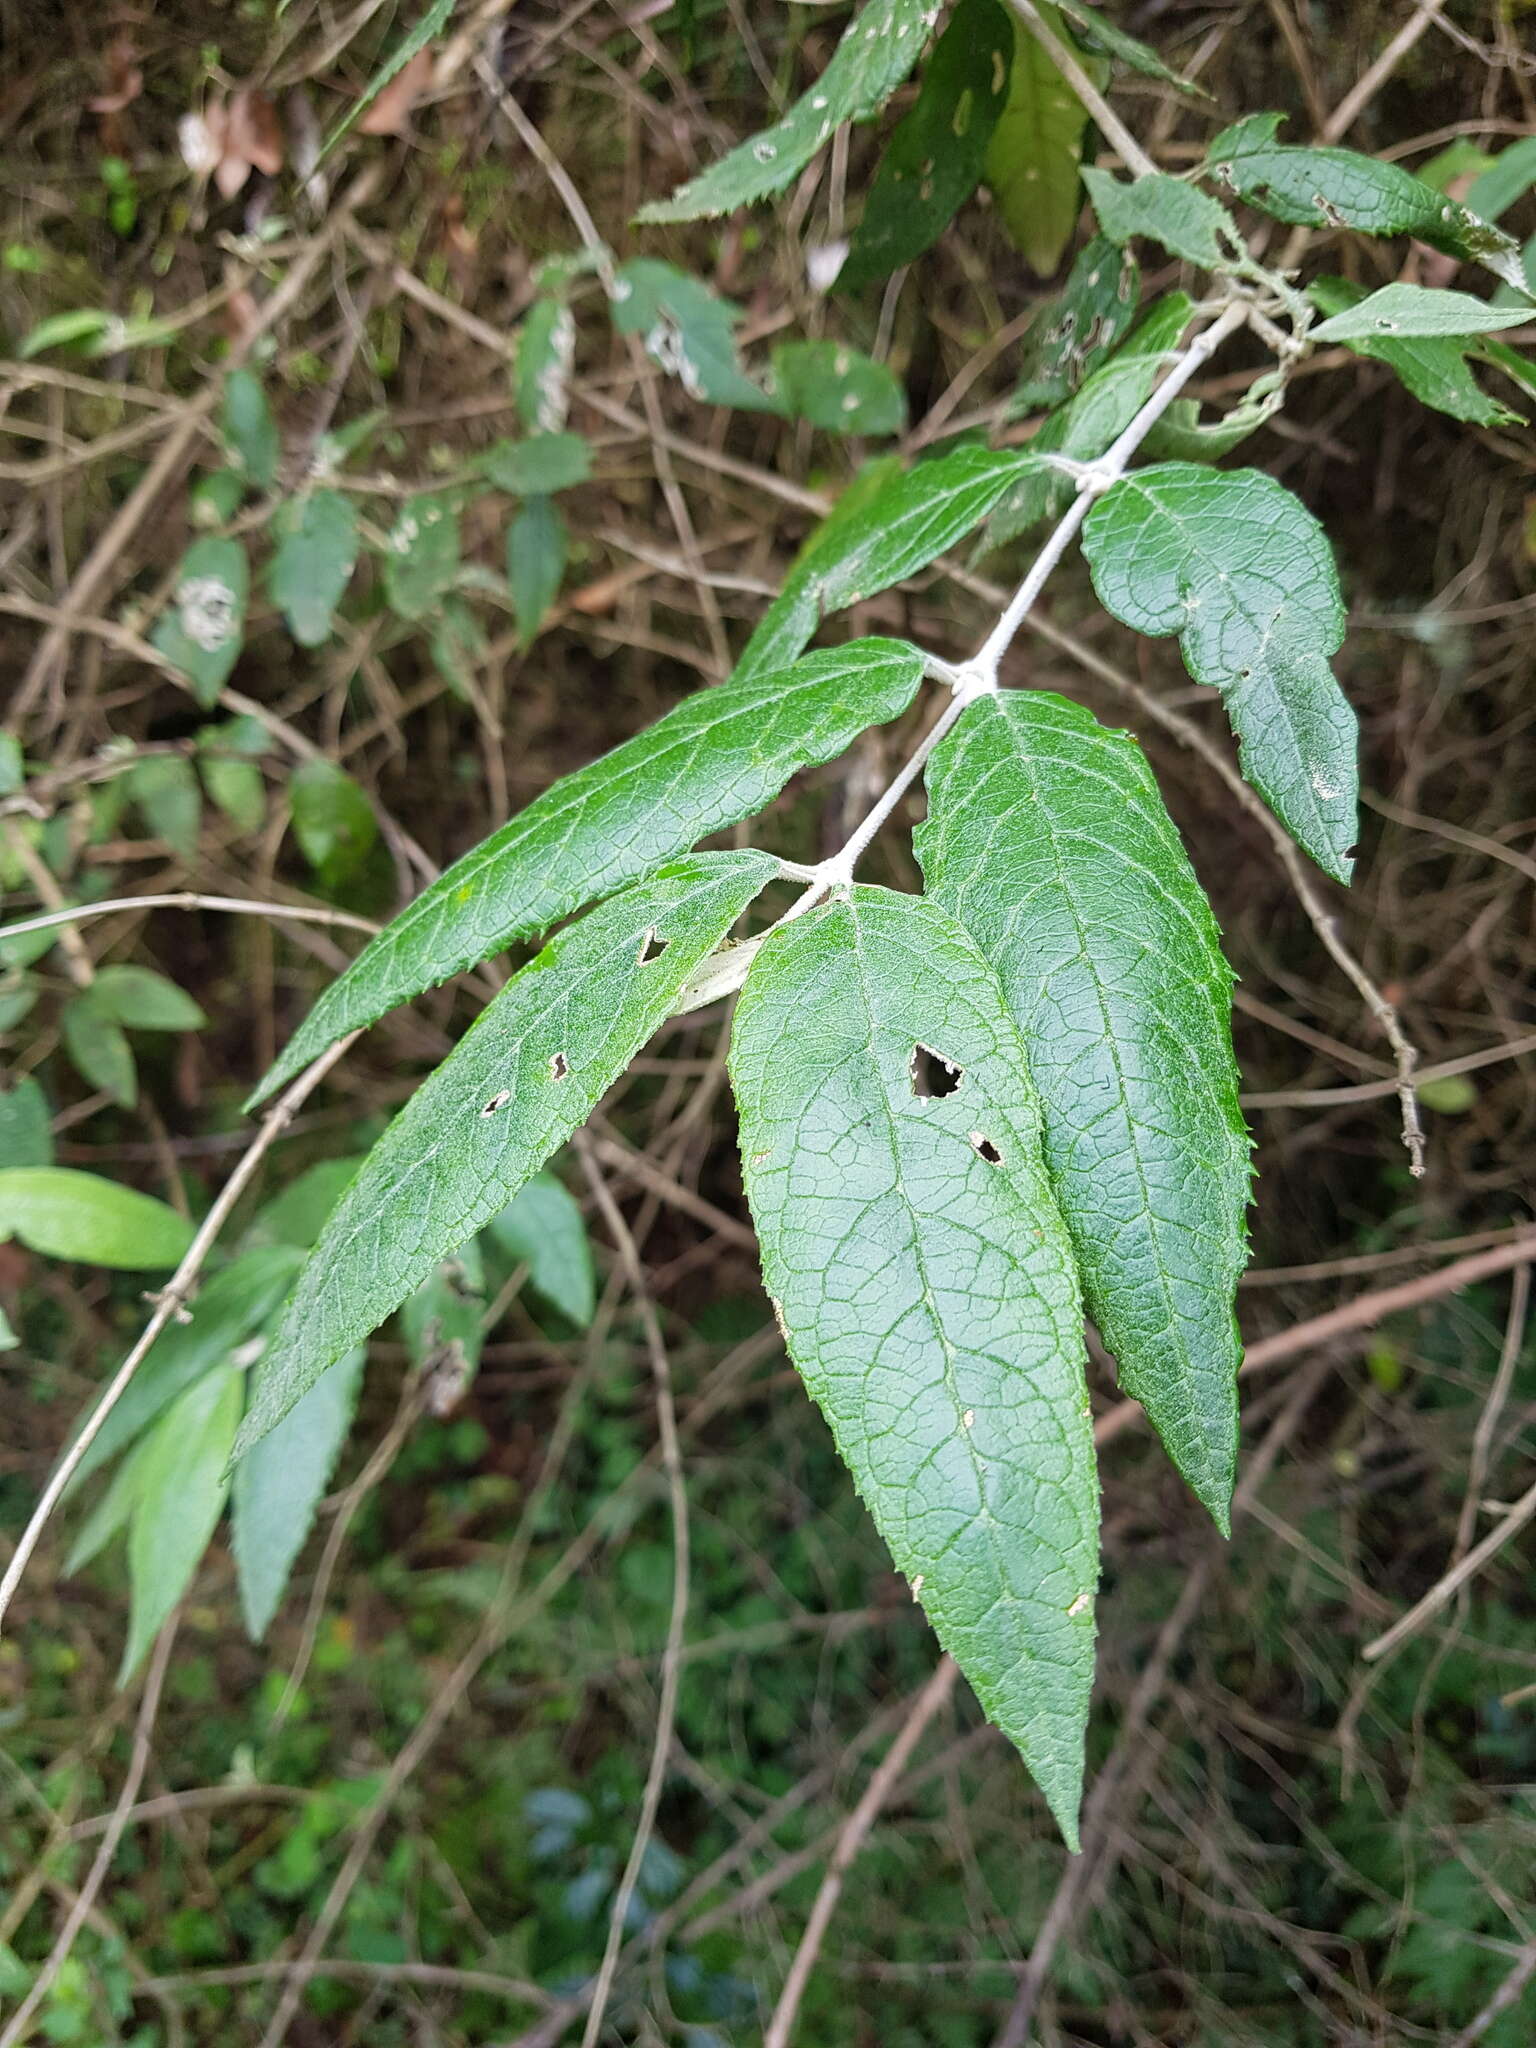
x=171 y=1300
x=188 y=899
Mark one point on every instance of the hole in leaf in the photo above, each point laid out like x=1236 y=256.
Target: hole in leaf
x=651 y=948
x=985 y=1149
x=933 y=1076
x=559 y=1067
x=497 y=1102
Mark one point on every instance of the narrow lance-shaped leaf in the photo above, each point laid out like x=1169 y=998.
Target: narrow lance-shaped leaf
x=1243 y=573
x=543 y=1229
x=278 y=1487
x=878 y=49
x=178 y=1497
x=1100 y=33
x=719 y=756
x=1339 y=188
x=1409 y=312
x=924 y=1281
x=933 y=161
x=65 y=1214
x=879 y=539
x=525 y=1075
x=1036 y=147
x=1048 y=839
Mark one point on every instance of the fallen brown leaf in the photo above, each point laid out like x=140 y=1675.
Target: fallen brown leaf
x=390 y=113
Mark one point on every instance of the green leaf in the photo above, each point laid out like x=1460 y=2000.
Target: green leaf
x=1186 y=221
x=13 y=766
x=26 y=1129
x=59 y=329
x=164 y=788
x=443 y=1322
x=536 y=551
x=934 y=159
x=1338 y=188
x=110 y=1515
x=543 y=1229
x=178 y=1500
x=719 y=756
x=1509 y=177
x=144 y=1001
x=1048 y=839
x=1243 y=573
x=687 y=330
x=525 y=1075
x=26 y=947
x=1097 y=32
x=539 y=465
x=869 y=543
x=922 y=1275
x=250 y=432
x=1435 y=369
x=236 y=788
x=417 y=37
x=837 y=388
x=1084 y=321
x=1036 y=147
x=879 y=47
x=216 y=498
x=296 y=1216
x=8 y=1337
x=204 y=630
x=99 y=1051
x=422 y=555
x=68 y=1215
x=225 y=1314
x=18 y=998
x=1408 y=312
x=279 y=1485
x=546 y=350
x=313 y=565
x=333 y=820
x=1088 y=424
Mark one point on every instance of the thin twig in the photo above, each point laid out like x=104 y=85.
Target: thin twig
x=188 y=899
x=849 y=1842
x=1105 y=119
x=1467 y=1568
x=672 y=1656
x=20 y=2021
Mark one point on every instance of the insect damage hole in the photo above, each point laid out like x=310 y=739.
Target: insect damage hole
x=933 y=1076
x=559 y=1067
x=984 y=1148
x=498 y=1101
x=651 y=947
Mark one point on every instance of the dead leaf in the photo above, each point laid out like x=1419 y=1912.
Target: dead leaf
x=125 y=81
x=255 y=131
x=390 y=113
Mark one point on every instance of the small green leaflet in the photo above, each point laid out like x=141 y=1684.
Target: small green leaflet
x=421 y=556
x=179 y=1491
x=313 y=565
x=543 y=1229
x=26 y=1133
x=1186 y=221
x=527 y=1073
x=204 y=628
x=250 y=432
x=230 y=775
x=279 y=1484
x=69 y=1215
x=717 y=757
x=538 y=465
x=1110 y=398
x=1338 y=188
x=145 y=1001
x=99 y=1051
x=536 y=551
x=1036 y=147
x=870 y=542
x=13 y=767
x=223 y=1316
x=164 y=788
x=1435 y=369
x=333 y=820
x=933 y=161
x=1048 y=839
x=879 y=47
x=687 y=330
x=924 y=1281
x=546 y=350
x=1407 y=312
x=1090 y=314
x=837 y=388
x=1243 y=573
x=216 y=497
